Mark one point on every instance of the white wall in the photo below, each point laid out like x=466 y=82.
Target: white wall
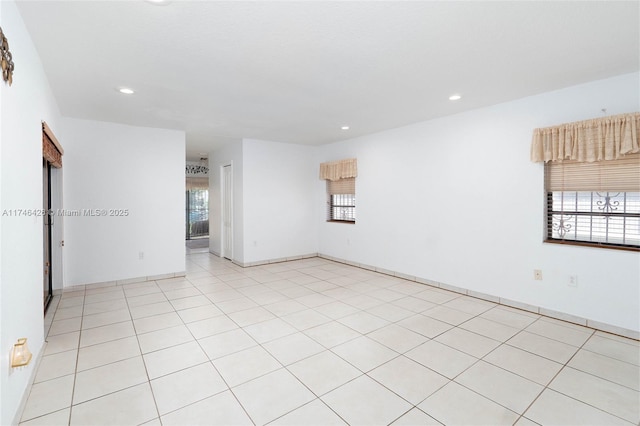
x=280 y=215
x=23 y=106
x=229 y=154
x=456 y=200
x=119 y=167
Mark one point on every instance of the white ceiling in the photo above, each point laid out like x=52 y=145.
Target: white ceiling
x=297 y=71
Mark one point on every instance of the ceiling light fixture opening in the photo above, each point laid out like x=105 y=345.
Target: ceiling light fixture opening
x=344 y=128
x=455 y=97
x=159 y=2
x=126 y=91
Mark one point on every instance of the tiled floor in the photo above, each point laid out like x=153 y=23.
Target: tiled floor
x=317 y=342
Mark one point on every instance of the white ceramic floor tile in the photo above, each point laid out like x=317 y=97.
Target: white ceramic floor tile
x=414 y=304
x=627 y=350
x=109 y=378
x=416 y=417
x=157 y=322
x=331 y=334
x=448 y=315
x=501 y=386
x=105 y=318
x=108 y=352
x=226 y=343
x=143 y=311
x=62 y=343
x=185 y=387
x=470 y=305
x=95 y=336
x=220 y=409
x=602 y=394
x=236 y=305
x=190 y=302
x=363 y=322
x=308 y=318
x=441 y=358
x=269 y=330
x=407 y=378
x=251 y=316
x=530 y=366
x=211 y=326
x=457 y=405
x=269 y=397
x=293 y=348
x=246 y=365
x=285 y=307
x=548 y=348
x=324 y=372
x=65 y=326
x=164 y=338
x=611 y=369
x=493 y=330
x=364 y=401
x=424 y=325
x=315 y=413
x=66 y=313
x=199 y=313
x=467 y=342
x=175 y=358
x=101 y=307
x=336 y=310
x=147 y=299
x=509 y=317
x=561 y=333
x=397 y=338
x=135 y=405
x=558 y=409
x=364 y=353
x=49 y=396
x=56 y=418
x=57 y=365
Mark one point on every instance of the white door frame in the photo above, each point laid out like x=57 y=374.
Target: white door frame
x=226 y=204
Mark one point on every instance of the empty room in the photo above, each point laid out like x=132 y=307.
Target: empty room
x=319 y=212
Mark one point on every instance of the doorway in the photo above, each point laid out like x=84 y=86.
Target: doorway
x=51 y=204
x=227 y=212
x=47 y=223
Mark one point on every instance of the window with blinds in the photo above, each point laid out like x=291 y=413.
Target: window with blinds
x=594 y=203
x=341 y=201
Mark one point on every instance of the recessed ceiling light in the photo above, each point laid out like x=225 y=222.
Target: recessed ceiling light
x=344 y=127
x=159 y=2
x=125 y=90
x=454 y=97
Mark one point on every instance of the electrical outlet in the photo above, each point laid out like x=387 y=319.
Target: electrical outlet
x=537 y=274
x=573 y=281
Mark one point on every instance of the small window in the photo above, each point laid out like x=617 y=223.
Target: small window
x=341 y=201
x=343 y=207
x=595 y=203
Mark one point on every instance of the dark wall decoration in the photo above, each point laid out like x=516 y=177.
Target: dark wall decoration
x=7 y=59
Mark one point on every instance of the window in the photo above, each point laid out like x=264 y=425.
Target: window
x=342 y=207
x=341 y=189
x=594 y=203
x=341 y=195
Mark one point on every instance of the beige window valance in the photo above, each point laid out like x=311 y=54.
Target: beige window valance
x=607 y=138
x=342 y=169
x=51 y=149
x=194 y=183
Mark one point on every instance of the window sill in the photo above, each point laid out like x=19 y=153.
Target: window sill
x=592 y=245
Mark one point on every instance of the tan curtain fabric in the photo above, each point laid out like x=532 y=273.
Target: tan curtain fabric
x=599 y=139
x=339 y=169
x=621 y=175
x=197 y=183
x=341 y=186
